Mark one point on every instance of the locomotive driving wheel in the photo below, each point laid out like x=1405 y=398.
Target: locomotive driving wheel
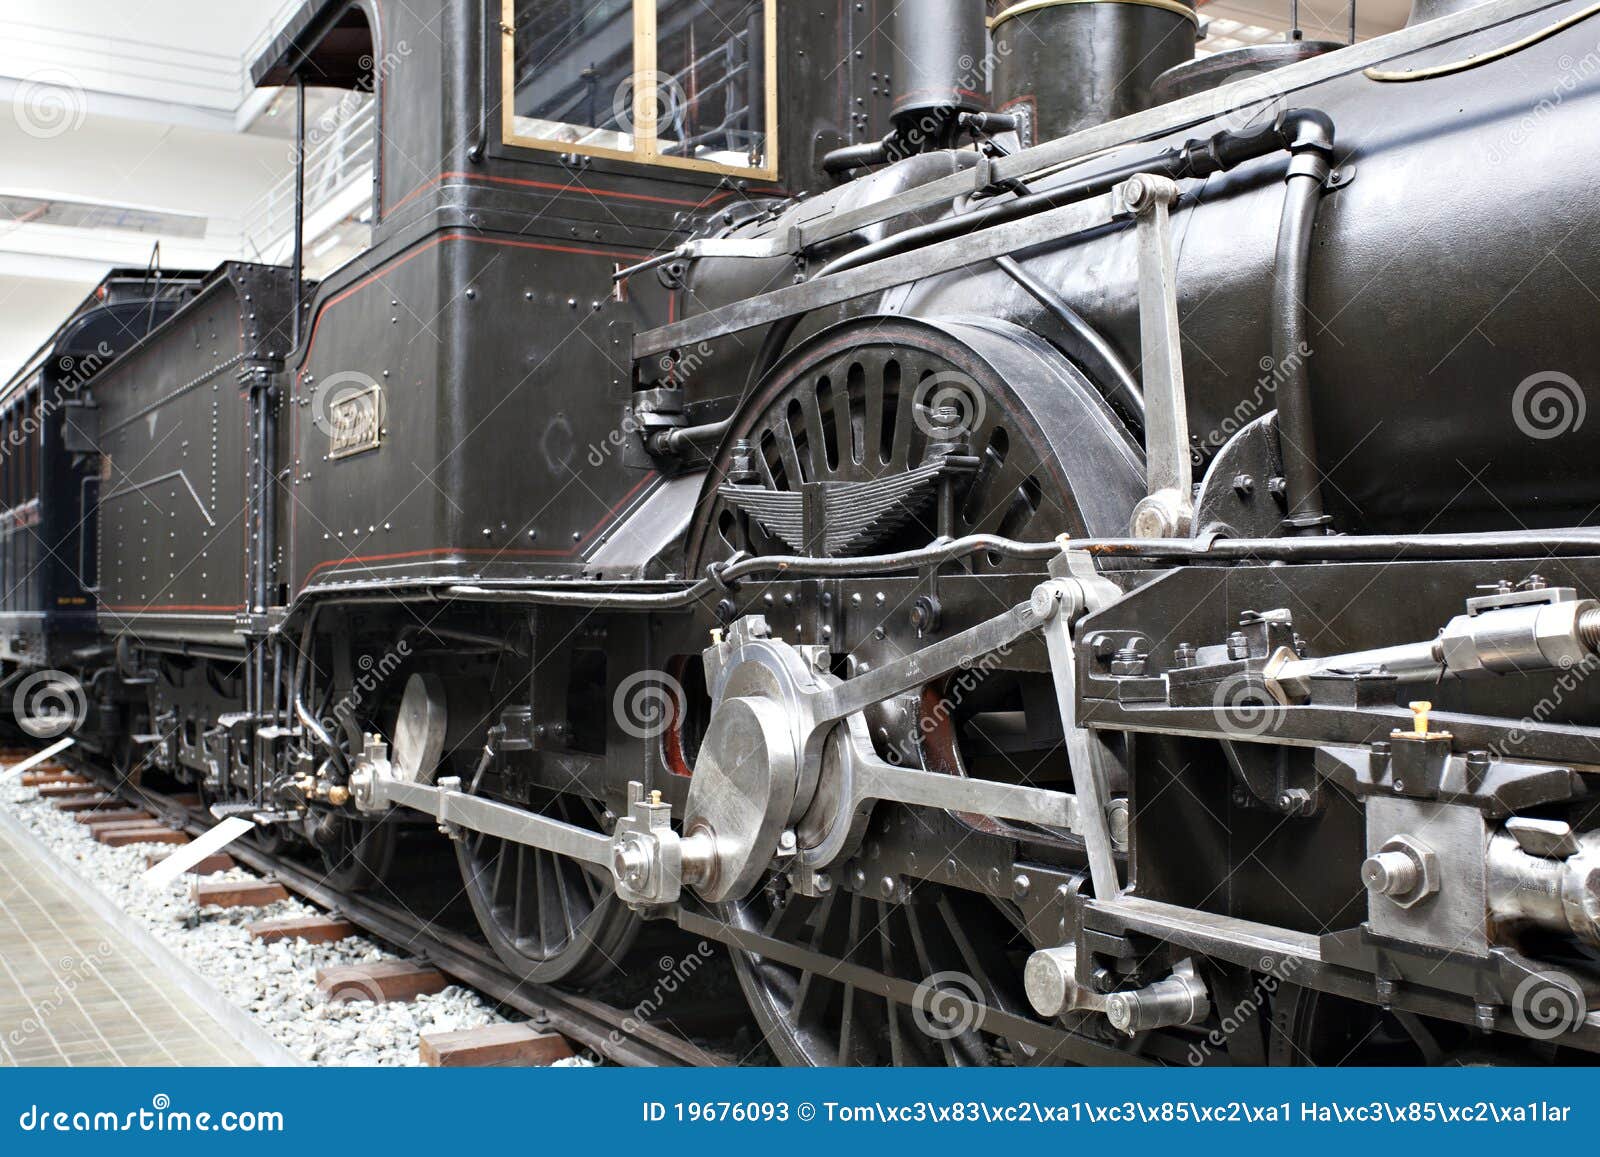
x=548 y=917
x=357 y=852
x=955 y=946
x=956 y=428
x=863 y=408
x=1322 y=1029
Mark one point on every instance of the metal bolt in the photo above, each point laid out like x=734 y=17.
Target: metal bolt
x=1120 y=818
x=1294 y=801
x=1389 y=873
x=632 y=863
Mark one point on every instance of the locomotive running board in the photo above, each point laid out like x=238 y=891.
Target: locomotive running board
x=650 y=862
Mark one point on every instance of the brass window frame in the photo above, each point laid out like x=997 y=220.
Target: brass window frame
x=645 y=149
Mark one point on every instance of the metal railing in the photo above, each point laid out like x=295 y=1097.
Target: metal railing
x=340 y=149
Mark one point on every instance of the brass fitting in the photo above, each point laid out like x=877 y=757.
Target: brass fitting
x=1419 y=723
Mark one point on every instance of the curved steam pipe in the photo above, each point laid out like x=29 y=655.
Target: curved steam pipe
x=1085 y=343
x=306 y=717
x=1293 y=129
x=1310 y=163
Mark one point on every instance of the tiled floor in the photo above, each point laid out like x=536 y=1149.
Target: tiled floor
x=74 y=992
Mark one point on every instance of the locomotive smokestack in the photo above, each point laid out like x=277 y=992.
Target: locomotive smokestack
x=943 y=68
x=1065 y=65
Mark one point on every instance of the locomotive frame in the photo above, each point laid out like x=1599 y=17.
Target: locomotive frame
x=1038 y=731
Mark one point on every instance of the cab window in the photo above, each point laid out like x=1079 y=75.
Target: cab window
x=681 y=83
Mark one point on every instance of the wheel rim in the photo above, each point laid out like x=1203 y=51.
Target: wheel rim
x=847 y=407
x=548 y=917
x=361 y=853
x=945 y=942
x=1317 y=1028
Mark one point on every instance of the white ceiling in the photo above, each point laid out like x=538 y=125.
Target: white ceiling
x=192 y=56
x=139 y=105
x=1319 y=19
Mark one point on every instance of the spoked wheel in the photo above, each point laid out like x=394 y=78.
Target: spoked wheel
x=867 y=404
x=953 y=945
x=548 y=917
x=270 y=838
x=357 y=852
x=1318 y=1028
x=856 y=404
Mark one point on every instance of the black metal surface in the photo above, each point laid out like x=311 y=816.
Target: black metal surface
x=1071 y=66
x=941 y=52
x=175 y=432
x=1208 y=72
x=524 y=520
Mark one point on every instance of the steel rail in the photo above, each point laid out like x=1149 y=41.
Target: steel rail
x=611 y=1032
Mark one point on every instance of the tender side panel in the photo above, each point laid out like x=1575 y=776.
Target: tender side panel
x=175 y=440
x=21 y=613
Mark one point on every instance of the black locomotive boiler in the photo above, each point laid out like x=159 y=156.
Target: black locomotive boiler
x=1041 y=574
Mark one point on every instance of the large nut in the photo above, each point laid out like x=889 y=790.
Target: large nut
x=631 y=861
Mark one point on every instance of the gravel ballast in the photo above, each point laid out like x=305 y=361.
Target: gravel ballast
x=275 y=982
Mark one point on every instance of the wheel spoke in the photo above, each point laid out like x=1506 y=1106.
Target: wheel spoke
x=544 y=914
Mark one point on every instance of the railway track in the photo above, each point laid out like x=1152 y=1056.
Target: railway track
x=614 y=1033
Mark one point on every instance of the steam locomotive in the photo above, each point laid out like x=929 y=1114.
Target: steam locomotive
x=1052 y=551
